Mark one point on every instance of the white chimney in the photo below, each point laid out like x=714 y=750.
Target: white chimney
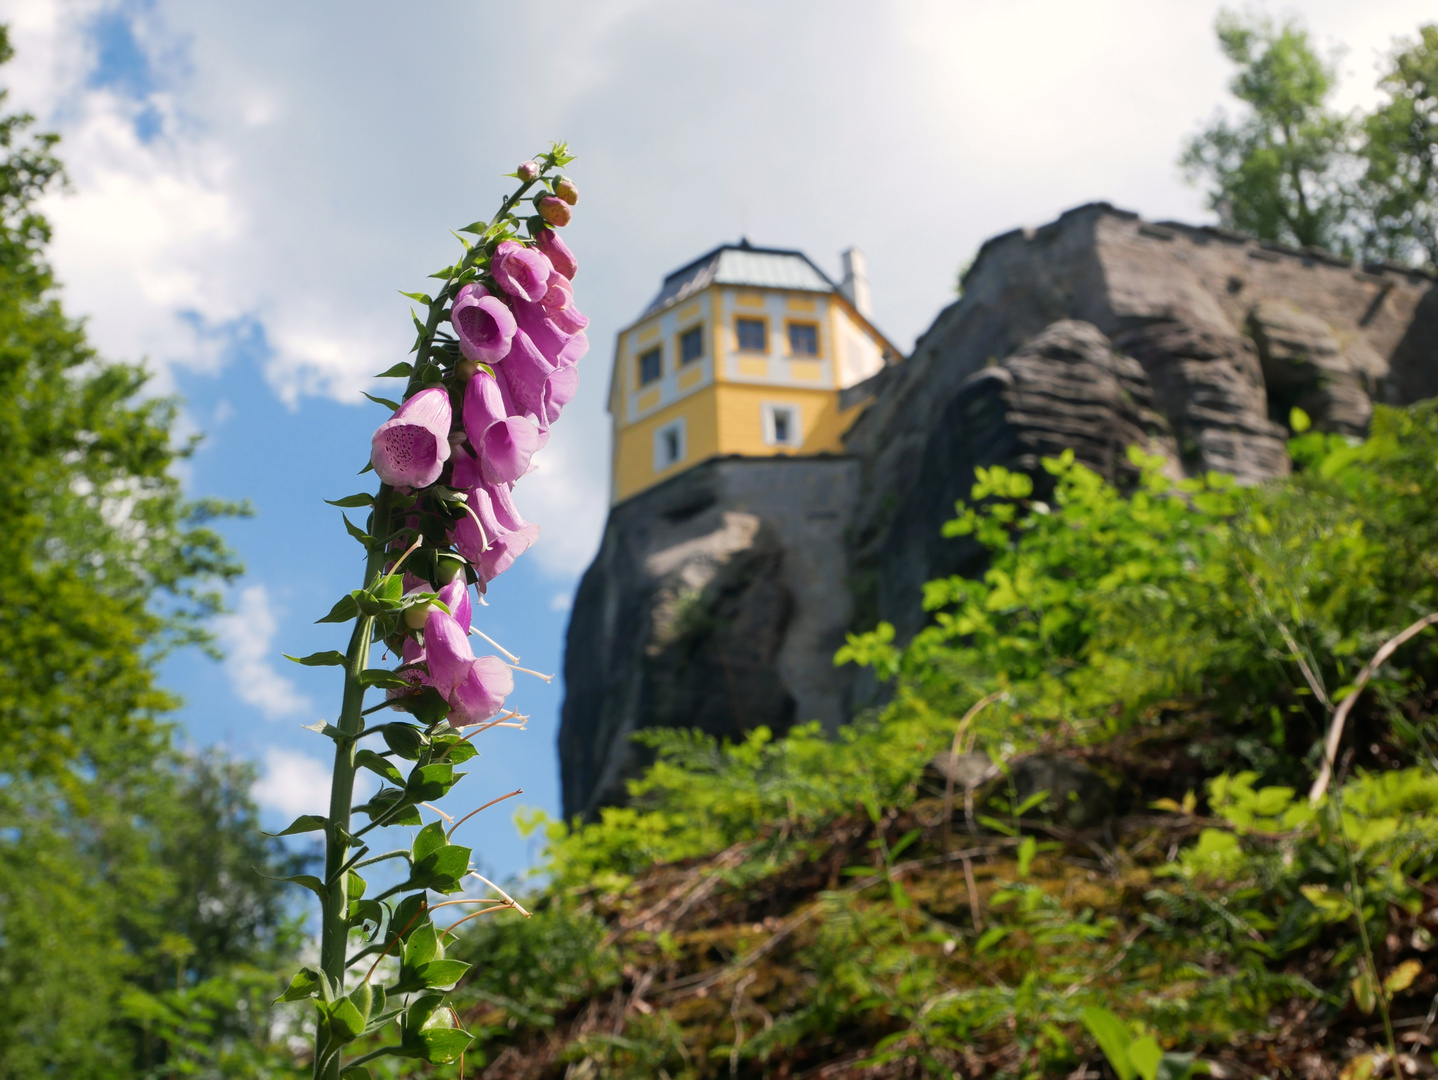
x=856 y=281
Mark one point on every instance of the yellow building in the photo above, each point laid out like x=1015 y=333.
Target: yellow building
x=744 y=351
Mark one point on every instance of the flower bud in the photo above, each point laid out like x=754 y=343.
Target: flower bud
x=528 y=170
x=415 y=615
x=555 y=211
x=448 y=567
x=566 y=190
x=466 y=370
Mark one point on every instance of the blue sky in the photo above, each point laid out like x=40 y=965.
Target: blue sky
x=253 y=183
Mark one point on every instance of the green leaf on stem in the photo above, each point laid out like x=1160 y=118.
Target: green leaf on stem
x=356 y=1072
x=390 y=587
x=343 y=611
x=417 y=297
x=305 y=984
x=409 y=916
x=456 y=752
x=302 y=824
x=443 y=1045
x=351 y=501
x=309 y=881
x=423 y=946
x=441 y=973
x=368 y=759
x=354 y=885
x=330 y=658
x=429 y=840
x=406 y=740
x=386 y=402
x=370 y=604
x=383 y=677
x=323 y=727
x=431 y=782
x=426 y=706
x=346 y=1021
x=442 y=870
x=384 y=801
x=359 y=534
x=402 y=370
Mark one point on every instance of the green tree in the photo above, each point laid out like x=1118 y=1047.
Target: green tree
x=1278 y=172
x=1400 y=151
x=139 y=918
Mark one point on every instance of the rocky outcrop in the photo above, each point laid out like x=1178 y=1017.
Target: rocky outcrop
x=1208 y=314
x=716 y=601
x=1066 y=388
x=718 y=598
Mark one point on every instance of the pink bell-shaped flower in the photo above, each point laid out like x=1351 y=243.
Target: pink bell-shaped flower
x=410 y=448
x=558 y=253
x=523 y=375
x=455 y=596
x=558 y=304
x=504 y=444
x=474 y=688
x=498 y=537
x=483 y=323
x=521 y=271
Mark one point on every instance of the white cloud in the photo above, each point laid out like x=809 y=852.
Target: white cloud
x=302 y=171
x=293 y=783
x=247 y=636
x=561 y=601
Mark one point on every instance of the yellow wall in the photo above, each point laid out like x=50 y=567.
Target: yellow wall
x=634 y=445
x=741 y=419
x=725 y=415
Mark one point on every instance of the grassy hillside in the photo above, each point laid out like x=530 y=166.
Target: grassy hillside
x=1079 y=841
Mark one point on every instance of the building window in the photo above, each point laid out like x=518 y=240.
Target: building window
x=803 y=339
x=691 y=345
x=650 y=367
x=670 y=445
x=753 y=334
x=781 y=425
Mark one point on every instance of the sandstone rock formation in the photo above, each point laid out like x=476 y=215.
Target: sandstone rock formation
x=718 y=598
x=716 y=601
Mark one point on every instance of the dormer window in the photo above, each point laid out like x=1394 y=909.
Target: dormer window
x=753 y=335
x=691 y=345
x=650 y=367
x=803 y=339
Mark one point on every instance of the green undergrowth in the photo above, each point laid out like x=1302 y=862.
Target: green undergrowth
x=833 y=907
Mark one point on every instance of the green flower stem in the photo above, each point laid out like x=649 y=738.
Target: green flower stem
x=334 y=922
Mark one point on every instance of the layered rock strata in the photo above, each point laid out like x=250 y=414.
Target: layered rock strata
x=719 y=597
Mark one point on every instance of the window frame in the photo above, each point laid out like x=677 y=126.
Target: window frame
x=769 y=411
x=678 y=428
x=811 y=324
x=739 y=341
x=682 y=361
x=658 y=352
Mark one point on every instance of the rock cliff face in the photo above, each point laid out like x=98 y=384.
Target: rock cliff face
x=716 y=601
x=718 y=598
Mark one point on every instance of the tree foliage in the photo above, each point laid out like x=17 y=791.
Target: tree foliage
x=1291 y=169
x=138 y=928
